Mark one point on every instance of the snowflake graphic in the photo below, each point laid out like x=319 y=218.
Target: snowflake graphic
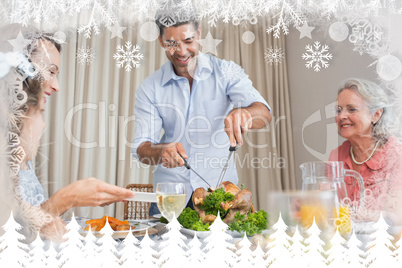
x=13 y=139
x=175 y=11
x=42 y=72
x=231 y=71
x=366 y=36
x=16 y=113
x=274 y=55
x=101 y=13
x=171 y=45
x=17 y=154
x=287 y=14
x=85 y=55
x=317 y=56
x=167 y=20
x=128 y=57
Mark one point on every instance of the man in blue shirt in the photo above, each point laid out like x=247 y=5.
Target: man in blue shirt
x=191 y=98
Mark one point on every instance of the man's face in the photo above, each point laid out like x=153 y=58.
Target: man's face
x=181 y=46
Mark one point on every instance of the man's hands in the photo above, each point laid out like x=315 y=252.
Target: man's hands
x=170 y=157
x=240 y=120
x=166 y=154
x=237 y=123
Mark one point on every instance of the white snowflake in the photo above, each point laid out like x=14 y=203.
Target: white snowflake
x=287 y=14
x=175 y=11
x=42 y=71
x=231 y=71
x=100 y=13
x=167 y=20
x=274 y=55
x=395 y=8
x=85 y=55
x=367 y=37
x=317 y=56
x=171 y=46
x=128 y=57
x=16 y=113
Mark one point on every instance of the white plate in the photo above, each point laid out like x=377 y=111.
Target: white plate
x=204 y=234
x=158 y=216
x=200 y=234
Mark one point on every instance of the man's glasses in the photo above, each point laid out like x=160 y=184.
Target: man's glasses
x=349 y=109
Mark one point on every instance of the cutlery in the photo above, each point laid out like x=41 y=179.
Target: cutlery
x=187 y=165
x=225 y=167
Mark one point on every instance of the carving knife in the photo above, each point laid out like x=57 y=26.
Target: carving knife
x=225 y=167
x=187 y=165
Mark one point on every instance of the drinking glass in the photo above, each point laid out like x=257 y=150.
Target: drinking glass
x=300 y=208
x=170 y=199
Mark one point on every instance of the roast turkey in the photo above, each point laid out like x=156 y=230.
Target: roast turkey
x=241 y=203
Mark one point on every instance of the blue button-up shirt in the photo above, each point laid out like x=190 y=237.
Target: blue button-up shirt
x=165 y=104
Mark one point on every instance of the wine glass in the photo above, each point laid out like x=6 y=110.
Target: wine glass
x=171 y=199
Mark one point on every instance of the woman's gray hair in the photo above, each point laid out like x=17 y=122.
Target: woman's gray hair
x=375 y=99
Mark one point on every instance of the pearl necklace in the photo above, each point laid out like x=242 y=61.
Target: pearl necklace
x=371 y=155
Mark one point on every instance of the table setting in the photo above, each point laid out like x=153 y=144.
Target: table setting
x=322 y=200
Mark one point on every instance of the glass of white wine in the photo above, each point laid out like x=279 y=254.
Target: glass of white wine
x=170 y=198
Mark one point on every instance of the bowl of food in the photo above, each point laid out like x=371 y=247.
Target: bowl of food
x=235 y=208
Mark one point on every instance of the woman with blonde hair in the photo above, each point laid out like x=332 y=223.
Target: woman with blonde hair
x=39 y=80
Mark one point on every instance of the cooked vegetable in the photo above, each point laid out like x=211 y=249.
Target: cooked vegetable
x=233 y=204
x=163 y=220
x=212 y=202
x=254 y=224
x=97 y=224
x=189 y=219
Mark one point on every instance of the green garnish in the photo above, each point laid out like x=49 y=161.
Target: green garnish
x=254 y=224
x=212 y=202
x=189 y=219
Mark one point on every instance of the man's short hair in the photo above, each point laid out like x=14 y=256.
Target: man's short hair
x=176 y=15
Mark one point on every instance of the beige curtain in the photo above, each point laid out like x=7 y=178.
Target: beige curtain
x=91 y=120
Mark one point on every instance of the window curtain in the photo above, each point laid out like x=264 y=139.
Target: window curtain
x=90 y=122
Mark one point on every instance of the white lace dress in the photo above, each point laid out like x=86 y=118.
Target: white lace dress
x=30 y=189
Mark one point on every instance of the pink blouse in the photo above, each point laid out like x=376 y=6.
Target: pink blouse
x=382 y=175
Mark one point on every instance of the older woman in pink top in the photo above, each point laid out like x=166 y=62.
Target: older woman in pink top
x=364 y=119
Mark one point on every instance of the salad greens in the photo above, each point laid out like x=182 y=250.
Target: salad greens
x=189 y=219
x=254 y=224
x=212 y=202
